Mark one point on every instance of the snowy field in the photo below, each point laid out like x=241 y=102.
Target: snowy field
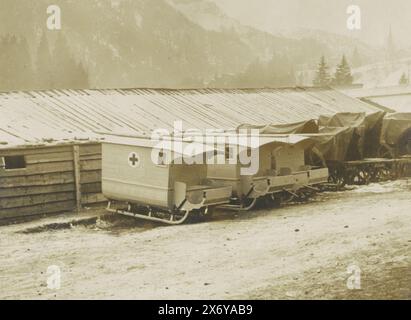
x=294 y=252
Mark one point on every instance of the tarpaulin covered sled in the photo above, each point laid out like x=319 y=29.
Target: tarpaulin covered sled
x=396 y=134
x=331 y=147
x=364 y=141
x=332 y=143
x=352 y=155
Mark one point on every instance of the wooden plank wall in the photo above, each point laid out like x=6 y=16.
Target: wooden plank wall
x=47 y=184
x=90 y=174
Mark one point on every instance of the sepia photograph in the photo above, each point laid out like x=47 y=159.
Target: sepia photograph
x=236 y=151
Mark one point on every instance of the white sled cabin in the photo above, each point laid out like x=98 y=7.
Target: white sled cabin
x=281 y=168
x=158 y=184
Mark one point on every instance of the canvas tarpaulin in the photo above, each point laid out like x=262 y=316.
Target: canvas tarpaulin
x=360 y=121
x=194 y=145
x=309 y=126
x=366 y=127
x=333 y=142
x=396 y=131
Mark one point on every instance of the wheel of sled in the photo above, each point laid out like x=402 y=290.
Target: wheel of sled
x=338 y=180
x=337 y=174
x=402 y=170
x=374 y=174
x=384 y=174
x=350 y=176
x=361 y=177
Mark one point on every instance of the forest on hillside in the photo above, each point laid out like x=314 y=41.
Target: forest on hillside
x=141 y=43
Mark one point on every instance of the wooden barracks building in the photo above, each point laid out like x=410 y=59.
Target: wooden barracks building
x=50 y=141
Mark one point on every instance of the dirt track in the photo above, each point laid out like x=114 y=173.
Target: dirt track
x=295 y=252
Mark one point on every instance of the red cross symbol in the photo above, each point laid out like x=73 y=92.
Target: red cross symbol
x=133 y=160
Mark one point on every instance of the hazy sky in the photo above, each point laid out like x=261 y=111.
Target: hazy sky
x=328 y=15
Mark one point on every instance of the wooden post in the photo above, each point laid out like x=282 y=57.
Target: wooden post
x=76 y=159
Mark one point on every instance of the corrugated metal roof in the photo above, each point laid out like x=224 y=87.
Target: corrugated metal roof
x=64 y=115
x=390 y=99
x=377 y=92
x=397 y=103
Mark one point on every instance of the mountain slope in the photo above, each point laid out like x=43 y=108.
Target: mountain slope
x=161 y=43
x=131 y=42
x=313 y=43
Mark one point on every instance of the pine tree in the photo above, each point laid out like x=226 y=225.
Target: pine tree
x=404 y=79
x=322 y=77
x=343 y=75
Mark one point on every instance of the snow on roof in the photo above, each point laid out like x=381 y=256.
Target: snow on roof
x=50 y=117
x=377 y=92
x=397 y=103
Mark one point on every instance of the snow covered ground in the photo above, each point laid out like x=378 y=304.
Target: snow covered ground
x=294 y=252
